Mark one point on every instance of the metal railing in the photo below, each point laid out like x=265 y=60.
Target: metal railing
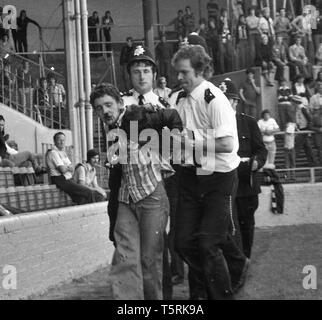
x=22 y=92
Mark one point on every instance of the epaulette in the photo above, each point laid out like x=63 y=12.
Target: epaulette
x=182 y=94
x=209 y=96
x=164 y=103
x=127 y=94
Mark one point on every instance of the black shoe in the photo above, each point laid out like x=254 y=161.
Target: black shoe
x=242 y=279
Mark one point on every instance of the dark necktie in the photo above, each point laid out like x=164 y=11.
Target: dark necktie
x=141 y=98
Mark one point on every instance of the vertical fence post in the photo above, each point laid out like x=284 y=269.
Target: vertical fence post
x=16 y=91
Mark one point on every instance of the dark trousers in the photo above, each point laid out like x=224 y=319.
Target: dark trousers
x=107 y=36
x=246 y=208
x=302 y=141
x=202 y=232
x=79 y=194
x=22 y=43
x=15 y=38
x=172 y=189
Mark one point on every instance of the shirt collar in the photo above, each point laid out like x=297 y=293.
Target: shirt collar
x=199 y=90
x=55 y=148
x=147 y=96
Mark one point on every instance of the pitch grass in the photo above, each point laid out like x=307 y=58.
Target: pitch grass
x=279 y=256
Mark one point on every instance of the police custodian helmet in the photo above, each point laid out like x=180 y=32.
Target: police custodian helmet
x=140 y=53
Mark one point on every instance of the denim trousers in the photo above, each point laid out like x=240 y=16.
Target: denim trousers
x=137 y=266
x=202 y=234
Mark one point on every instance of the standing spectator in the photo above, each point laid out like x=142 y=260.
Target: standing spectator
x=22 y=24
x=163 y=54
x=2 y=29
x=24 y=85
x=299 y=59
x=282 y=27
x=107 y=22
x=7 y=81
x=303 y=123
x=285 y=110
x=212 y=42
x=85 y=175
x=189 y=21
x=162 y=90
x=225 y=43
x=57 y=97
x=254 y=37
x=304 y=30
x=249 y=92
x=179 y=24
x=300 y=89
x=213 y=10
x=316 y=112
x=61 y=173
x=5 y=46
x=279 y=57
x=41 y=102
x=242 y=43
x=124 y=60
x=317 y=33
x=266 y=24
x=93 y=27
x=269 y=127
x=202 y=28
x=264 y=59
x=289 y=148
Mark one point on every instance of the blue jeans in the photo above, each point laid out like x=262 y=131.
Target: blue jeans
x=136 y=272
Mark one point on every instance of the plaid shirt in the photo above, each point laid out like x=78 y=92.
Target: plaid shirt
x=141 y=176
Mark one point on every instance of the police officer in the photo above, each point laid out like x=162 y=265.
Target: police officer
x=253 y=156
x=204 y=216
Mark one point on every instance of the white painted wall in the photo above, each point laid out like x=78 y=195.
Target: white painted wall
x=28 y=134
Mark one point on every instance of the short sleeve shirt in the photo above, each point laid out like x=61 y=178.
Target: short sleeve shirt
x=211 y=120
x=55 y=159
x=85 y=172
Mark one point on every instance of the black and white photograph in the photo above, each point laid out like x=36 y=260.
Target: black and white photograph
x=159 y=154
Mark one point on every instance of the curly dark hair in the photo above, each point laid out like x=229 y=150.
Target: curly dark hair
x=105 y=89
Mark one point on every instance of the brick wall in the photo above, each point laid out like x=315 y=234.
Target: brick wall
x=53 y=246
x=303 y=203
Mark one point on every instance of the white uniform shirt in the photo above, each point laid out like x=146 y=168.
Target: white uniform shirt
x=149 y=97
x=217 y=116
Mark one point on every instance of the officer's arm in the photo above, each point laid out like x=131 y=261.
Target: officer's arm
x=259 y=152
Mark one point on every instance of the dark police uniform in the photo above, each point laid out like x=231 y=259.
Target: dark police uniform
x=251 y=147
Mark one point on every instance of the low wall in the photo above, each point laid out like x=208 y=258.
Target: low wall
x=50 y=247
x=55 y=246
x=303 y=205
x=28 y=133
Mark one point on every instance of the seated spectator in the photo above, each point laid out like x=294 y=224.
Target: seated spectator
x=249 y=92
x=300 y=89
x=162 y=90
x=61 y=173
x=268 y=128
x=303 y=123
x=41 y=102
x=264 y=60
x=279 y=58
x=85 y=174
x=10 y=157
x=299 y=59
x=285 y=109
